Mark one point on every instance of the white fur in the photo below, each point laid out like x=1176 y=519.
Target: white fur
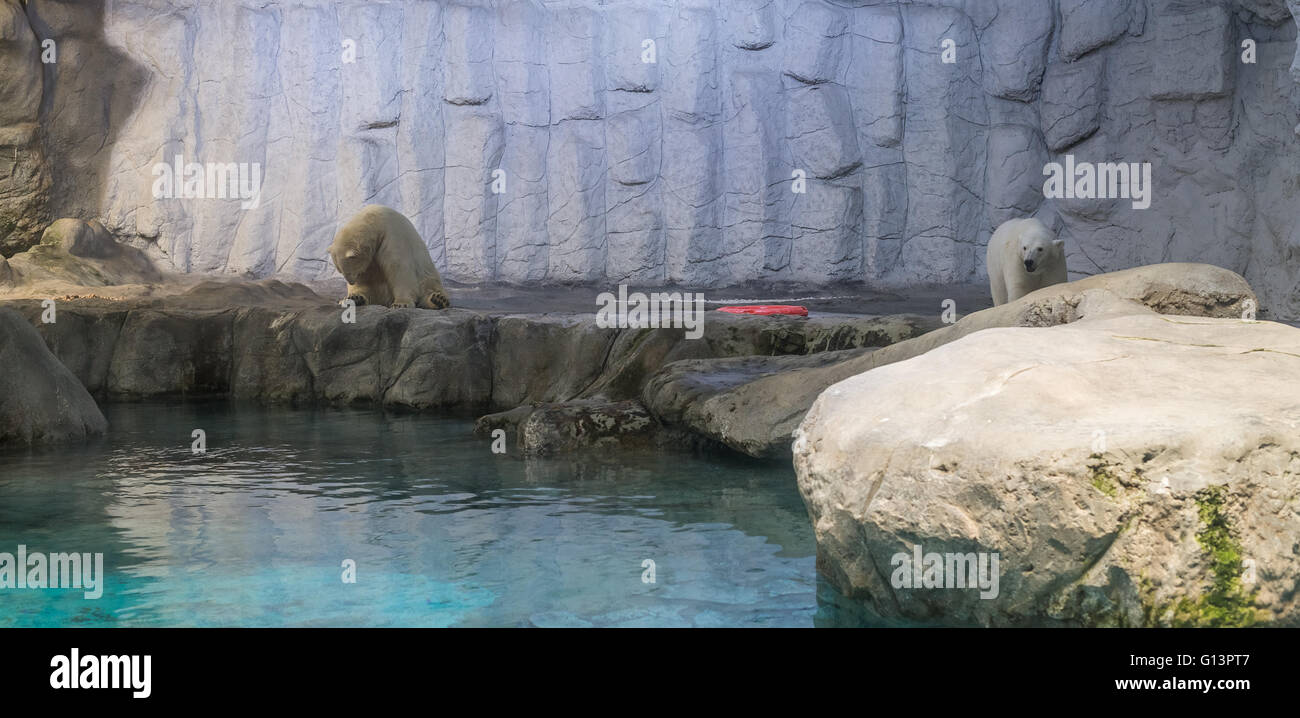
x=380 y=254
x=1012 y=243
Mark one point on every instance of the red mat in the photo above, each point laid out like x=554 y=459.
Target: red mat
x=767 y=309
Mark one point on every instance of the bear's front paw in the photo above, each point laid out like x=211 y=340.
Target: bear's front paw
x=357 y=299
x=402 y=305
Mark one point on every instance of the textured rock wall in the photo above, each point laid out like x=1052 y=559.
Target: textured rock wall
x=244 y=342
x=680 y=170
x=24 y=172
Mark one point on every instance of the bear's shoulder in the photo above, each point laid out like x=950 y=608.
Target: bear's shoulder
x=368 y=225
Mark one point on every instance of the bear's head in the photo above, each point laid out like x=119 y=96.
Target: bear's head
x=352 y=261
x=1038 y=247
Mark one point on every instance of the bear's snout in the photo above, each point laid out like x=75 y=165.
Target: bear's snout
x=1029 y=265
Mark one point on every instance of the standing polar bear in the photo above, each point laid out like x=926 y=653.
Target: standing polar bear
x=1023 y=255
x=380 y=254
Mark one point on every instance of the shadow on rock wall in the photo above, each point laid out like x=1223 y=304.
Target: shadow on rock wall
x=90 y=89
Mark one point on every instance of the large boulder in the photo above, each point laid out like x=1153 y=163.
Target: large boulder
x=40 y=400
x=753 y=405
x=80 y=238
x=73 y=255
x=1130 y=469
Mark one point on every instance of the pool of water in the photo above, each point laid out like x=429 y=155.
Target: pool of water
x=443 y=532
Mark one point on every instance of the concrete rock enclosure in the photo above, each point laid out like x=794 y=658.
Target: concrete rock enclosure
x=662 y=141
x=1151 y=462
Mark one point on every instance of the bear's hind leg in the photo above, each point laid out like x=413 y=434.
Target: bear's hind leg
x=405 y=287
x=437 y=299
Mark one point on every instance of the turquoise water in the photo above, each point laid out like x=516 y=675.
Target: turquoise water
x=444 y=533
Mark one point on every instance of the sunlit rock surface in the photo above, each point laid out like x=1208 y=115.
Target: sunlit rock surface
x=1128 y=469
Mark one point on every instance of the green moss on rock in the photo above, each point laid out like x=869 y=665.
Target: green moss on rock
x=1103 y=479
x=1228 y=603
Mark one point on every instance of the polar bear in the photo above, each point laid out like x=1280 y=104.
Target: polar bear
x=380 y=254
x=1023 y=255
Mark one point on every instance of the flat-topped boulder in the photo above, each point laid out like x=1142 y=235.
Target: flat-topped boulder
x=1128 y=469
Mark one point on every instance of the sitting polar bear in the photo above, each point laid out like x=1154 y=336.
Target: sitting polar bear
x=1023 y=256
x=382 y=257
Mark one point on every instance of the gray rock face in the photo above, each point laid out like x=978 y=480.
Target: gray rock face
x=24 y=176
x=40 y=399
x=1014 y=178
x=1089 y=24
x=1071 y=106
x=1200 y=75
x=20 y=83
x=632 y=140
x=391 y=358
x=1146 y=479
x=24 y=187
x=1013 y=47
x=269 y=341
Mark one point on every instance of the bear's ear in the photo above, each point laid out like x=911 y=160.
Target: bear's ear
x=350 y=254
x=1060 y=243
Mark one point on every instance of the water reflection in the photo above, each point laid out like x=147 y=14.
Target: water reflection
x=443 y=532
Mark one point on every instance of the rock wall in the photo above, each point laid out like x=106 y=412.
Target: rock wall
x=24 y=172
x=268 y=341
x=655 y=141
